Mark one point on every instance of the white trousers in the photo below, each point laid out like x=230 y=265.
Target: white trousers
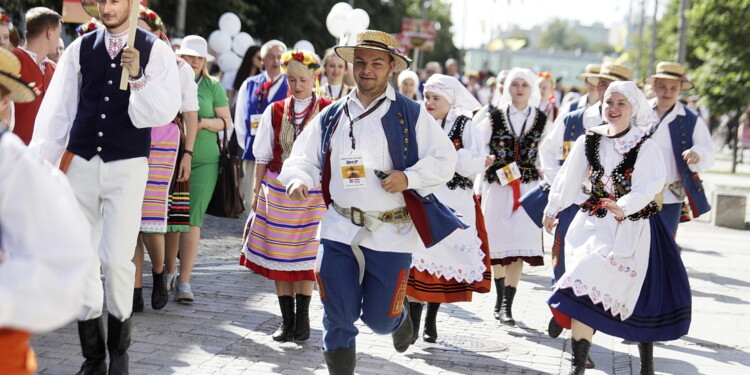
x=246 y=184
x=110 y=195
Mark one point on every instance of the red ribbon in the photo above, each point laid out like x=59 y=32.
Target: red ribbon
x=516 y=185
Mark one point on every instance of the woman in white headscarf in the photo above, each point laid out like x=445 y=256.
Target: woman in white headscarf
x=624 y=273
x=458 y=266
x=512 y=133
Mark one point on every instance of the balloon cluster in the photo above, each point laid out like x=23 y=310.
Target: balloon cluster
x=229 y=43
x=343 y=21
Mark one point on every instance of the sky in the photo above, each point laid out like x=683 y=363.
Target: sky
x=527 y=13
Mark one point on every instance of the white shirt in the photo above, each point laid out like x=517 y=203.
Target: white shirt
x=583 y=102
x=188 y=87
x=702 y=145
x=472 y=156
x=154 y=104
x=240 y=112
x=263 y=144
x=45 y=242
x=436 y=165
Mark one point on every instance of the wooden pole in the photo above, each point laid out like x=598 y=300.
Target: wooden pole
x=133 y=24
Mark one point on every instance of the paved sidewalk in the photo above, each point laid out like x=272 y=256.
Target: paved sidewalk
x=227 y=330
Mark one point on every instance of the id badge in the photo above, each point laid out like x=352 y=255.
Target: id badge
x=567 y=145
x=254 y=122
x=353 y=172
x=508 y=173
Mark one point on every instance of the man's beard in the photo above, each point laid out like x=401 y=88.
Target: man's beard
x=117 y=23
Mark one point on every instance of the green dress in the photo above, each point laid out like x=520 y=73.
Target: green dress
x=205 y=165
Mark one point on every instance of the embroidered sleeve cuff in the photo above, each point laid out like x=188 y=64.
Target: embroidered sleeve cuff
x=262 y=161
x=138 y=83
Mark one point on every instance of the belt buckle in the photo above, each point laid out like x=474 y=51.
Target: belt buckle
x=387 y=216
x=361 y=216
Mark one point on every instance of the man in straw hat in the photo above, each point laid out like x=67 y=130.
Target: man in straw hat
x=685 y=143
x=591 y=96
x=375 y=222
x=45 y=247
x=105 y=135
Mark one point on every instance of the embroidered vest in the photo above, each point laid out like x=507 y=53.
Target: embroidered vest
x=285 y=132
x=622 y=177
x=507 y=149
x=573 y=122
x=681 y=133
x=456 y=136
x=255 y=105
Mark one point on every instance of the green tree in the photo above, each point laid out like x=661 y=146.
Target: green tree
x=561 y=35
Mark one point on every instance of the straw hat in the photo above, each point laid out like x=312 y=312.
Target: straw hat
x=376 y=41
x=10 y=71
x=194 y=45
x=671 y=70
x=591 y=71
x=615 y=72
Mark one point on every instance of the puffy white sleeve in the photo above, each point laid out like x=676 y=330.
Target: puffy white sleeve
x=649 y=174
x=472 y=156
x=703 y=146
x=155 y=98
x=189 y=88
x=437 y=156
x=263 y=144
x=485 y=131
x=45 y=242
x=549 y=150
x=240 y=112
x=305 y=163
x=566 y=187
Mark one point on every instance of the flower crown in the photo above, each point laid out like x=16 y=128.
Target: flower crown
x=308 y=59
x=549 y=77
x=84 y=28
x=5 y=18
x=151 y=18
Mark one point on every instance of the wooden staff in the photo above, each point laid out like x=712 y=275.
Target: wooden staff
x=133 y=24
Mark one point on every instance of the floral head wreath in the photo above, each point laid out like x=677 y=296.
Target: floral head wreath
x=4 y=17
x=548 y=76
x=151 y=18
x=310 y=60
x=87 y=27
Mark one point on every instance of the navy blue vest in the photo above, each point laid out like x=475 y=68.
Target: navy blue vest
x=102 y=125
x=681 y=133
x=255 y=106
x=573 y=122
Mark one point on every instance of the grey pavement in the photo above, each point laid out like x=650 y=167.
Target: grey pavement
x=227 y=330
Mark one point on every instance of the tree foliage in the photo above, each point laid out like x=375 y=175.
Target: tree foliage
x=562 y=36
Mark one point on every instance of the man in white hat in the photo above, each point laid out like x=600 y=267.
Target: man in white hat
x=100 y=135
x=375 y=222
x=685 y=143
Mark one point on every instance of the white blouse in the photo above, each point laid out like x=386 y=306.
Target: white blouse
x=263 y=144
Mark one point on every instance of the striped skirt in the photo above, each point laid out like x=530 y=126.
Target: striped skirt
x=282 y=235
x=161 y=164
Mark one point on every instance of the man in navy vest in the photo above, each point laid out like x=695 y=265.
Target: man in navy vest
x=592 y=94
x=685 y=143
x=374 y=224
x=101 y=137
x=256 y=93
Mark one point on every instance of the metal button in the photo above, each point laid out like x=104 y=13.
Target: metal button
x=109 y=82
x=113 y=65
x=106 y=98
x=103 y=116
x=98 y=149
x=101 y=134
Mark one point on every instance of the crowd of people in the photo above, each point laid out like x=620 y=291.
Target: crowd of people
x=388 y=189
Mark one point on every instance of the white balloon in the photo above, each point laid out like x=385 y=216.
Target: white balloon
x=241 y=42
x=336 y=23
x=357 y=20
x=305 y=46
x=229 y=61
x=230 y=23
x=342 y=8
x=219 y=41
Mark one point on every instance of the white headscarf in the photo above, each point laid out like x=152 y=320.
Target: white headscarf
x=407 y=74
x=459 y=98
x=530 y=78
x=643 y=115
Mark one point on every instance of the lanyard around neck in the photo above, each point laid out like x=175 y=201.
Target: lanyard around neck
x=523 y=128
x=352 y=121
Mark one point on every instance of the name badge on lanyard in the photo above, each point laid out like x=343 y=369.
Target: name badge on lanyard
x=353 y=172
x=508 y=173
x=254 y=122
x=565 y=150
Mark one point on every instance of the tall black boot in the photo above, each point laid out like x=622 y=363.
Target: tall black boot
x=302 y=318
x=91 y=335
x=137 y=299
x=118 y=342
x=506 y=315
x=159 y=294
x=646 y=350
x=341 y=362
x=580 y=352
x=402 y=335
x=415 y=311
x=500 y=289
x=430 y=326
x=285 y=332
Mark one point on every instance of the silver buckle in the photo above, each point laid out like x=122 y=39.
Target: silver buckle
x=361 y=214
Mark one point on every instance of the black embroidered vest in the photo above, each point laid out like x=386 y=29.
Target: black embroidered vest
x=621 y=176
x=506 y=148
x=456 y=136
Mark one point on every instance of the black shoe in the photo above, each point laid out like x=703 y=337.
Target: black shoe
x=500 y=289
x=646 y=350
x=402 y=336
x=91 y=335
x=159 y=294
x=553 y=329
x=285 y=332
x=341 y=362
x=415 y=311
x=302 y=318
x=137 y=299
x=430 y=324
x=506 y=315
x=580 y=352
x=118 y=343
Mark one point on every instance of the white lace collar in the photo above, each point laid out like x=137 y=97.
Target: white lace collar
x=624 y=143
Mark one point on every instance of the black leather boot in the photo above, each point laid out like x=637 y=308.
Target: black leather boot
x=500 y=289
x=646 y=350
x=341 y=362
x=580 y=352
x=506 y=315
x=118 y=342
x=91 y=335
x=415 y=311
x=553 y=328
x=285 y=332
x=137 y=299
x=430 y=326
x=159 y=294
x=302 y=318
x=402 y=336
